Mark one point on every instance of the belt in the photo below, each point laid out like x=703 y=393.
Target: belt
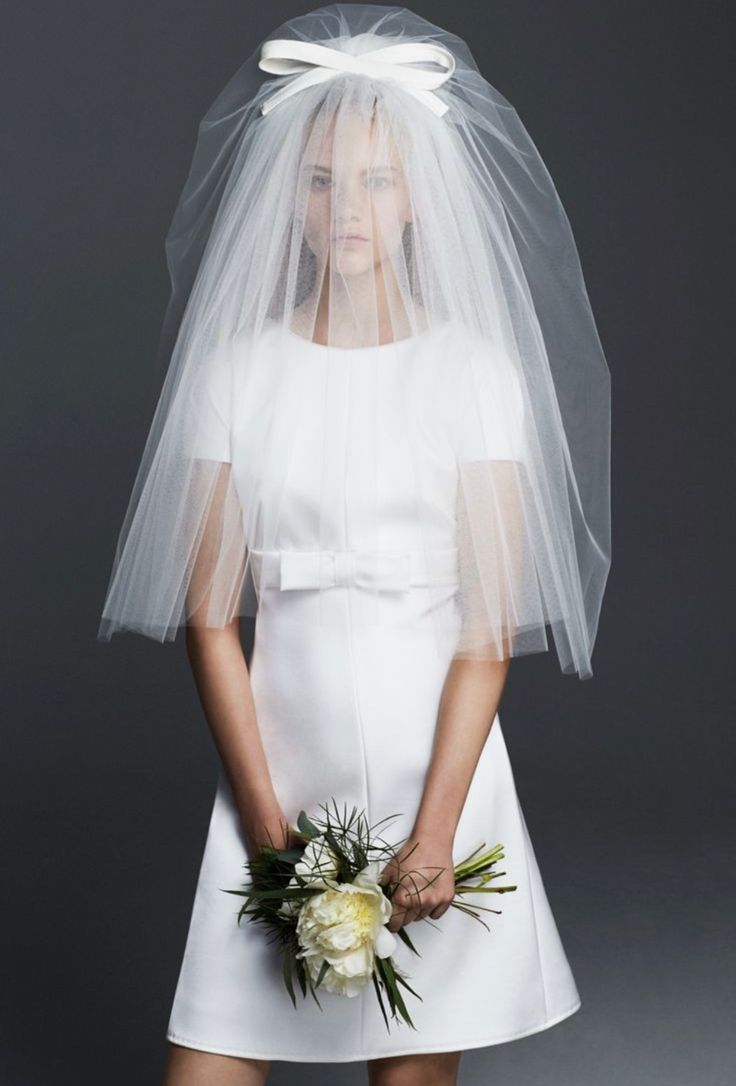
x=390 y=571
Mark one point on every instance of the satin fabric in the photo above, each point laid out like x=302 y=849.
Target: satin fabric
x=348 y=710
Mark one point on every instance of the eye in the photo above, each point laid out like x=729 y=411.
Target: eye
x=379 y=182
x=318 y=181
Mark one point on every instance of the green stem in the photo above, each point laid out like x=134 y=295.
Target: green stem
x=467 y=868
x=483 y=889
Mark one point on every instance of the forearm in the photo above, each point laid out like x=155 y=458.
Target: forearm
x=470 y=699
x=223 y=684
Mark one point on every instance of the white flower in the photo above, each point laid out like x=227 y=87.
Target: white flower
x=318 y=863
x=317 y=867
x=345 y=926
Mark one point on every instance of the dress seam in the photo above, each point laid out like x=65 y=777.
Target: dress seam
x=354 y=678
x=366 y=782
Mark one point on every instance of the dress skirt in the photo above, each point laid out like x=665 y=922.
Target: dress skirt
x=350 y=712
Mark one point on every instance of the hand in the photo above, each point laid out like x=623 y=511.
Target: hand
x=414 y=898
x=269 y=827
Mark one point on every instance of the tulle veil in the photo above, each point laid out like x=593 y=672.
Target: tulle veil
x=359 y=189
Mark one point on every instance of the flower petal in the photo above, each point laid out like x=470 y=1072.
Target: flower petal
x=385 y=943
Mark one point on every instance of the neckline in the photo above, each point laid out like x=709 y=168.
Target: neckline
x=398 y=343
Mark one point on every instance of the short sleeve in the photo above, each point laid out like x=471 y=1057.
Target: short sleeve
x=492 y=415
x=211 y=412
x=498 y=590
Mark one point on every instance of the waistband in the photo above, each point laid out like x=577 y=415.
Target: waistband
x=388 y=571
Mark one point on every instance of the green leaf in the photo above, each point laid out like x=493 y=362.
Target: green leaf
x=314 y=996
x=402 y=934
x=402 y=980
x=377 y=986
x=396 y=993
x=287 y=967
x=325 y=966
x=307 y=827
x=290 y=855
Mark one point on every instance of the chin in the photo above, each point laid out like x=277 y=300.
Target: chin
x=354 y=263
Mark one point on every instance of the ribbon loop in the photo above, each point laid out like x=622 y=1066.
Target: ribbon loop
x=387 y=571
x=311 y=64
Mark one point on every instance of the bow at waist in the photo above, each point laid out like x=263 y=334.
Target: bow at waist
x=389 y=571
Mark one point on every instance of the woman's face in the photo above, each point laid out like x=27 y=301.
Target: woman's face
x=357 y=200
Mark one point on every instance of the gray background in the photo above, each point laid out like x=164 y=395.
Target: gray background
x=625 y=779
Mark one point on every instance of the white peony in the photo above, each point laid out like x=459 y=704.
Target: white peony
x=345 y=927
x=317 y=867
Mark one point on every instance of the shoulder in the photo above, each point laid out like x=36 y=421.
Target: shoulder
x=468 y=354
x=489 y=381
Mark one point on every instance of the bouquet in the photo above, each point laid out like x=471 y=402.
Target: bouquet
x=321 y=899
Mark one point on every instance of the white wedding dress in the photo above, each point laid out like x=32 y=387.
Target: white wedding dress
x=348 y=709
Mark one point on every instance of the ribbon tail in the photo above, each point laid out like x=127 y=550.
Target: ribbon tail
x=429 y=99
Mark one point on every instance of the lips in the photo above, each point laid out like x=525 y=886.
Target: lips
x=350 y=237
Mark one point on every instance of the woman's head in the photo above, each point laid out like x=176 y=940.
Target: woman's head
x=355 y=191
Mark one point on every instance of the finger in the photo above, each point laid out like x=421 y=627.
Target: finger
x=399 y=916
x=408 y=895
x=440 y=910
x=412 y=911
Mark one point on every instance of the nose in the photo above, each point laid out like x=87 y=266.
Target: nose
x=350 y=202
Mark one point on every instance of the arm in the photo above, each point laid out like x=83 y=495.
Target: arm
x=491 y=549
x=470 y=699
x=491 y=546
x=221 y=676
x=219 y=666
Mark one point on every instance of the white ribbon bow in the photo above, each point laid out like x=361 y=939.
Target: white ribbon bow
x=388 y=571
x=318 y=63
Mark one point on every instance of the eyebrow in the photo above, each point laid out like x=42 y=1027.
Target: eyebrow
x=325 y=169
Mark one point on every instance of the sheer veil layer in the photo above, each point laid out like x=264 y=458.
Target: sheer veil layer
x=367 y=223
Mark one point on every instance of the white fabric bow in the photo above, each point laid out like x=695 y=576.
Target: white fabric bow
x=318 y=63
x=325 y=569
x=387 y=571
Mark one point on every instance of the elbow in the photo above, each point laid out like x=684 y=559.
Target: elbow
x=199 y=638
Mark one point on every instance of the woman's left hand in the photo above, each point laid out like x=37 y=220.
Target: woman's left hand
x=414 y=898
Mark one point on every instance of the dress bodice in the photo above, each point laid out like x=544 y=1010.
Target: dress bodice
x=344 y=447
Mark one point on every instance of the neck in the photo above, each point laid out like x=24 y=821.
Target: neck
x=360 y=308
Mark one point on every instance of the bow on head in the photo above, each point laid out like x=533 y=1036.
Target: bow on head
x=318 y=63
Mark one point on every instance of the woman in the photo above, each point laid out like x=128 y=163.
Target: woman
x=383 y=433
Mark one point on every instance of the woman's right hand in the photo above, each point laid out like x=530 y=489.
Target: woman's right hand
x=267 y=828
